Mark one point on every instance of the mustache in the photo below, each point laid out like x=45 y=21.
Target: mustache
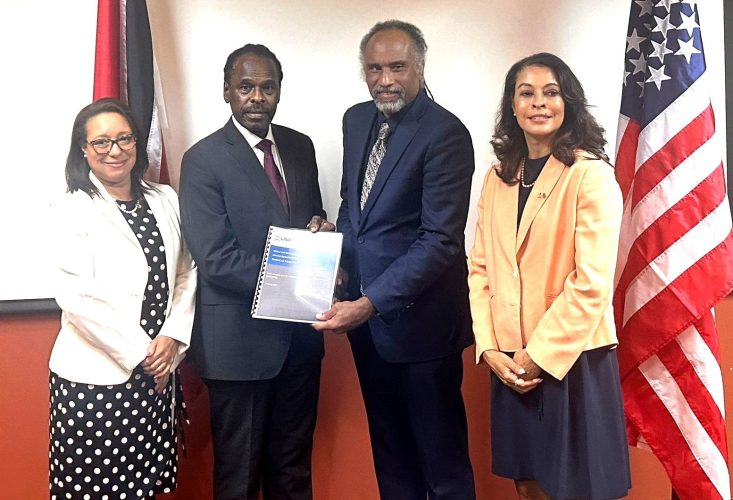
x=378 y=89
x=257 y=109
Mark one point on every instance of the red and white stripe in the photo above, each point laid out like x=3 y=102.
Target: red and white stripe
x=674 y=265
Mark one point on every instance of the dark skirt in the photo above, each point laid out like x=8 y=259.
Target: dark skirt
x=113 y=441
x=568 y=435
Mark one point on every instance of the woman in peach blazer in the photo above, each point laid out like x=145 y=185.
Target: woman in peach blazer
x=541 y=283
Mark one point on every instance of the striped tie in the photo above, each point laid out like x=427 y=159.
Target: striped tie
x=375 y=158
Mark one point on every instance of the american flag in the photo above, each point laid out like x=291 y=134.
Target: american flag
x=675 y=252
x=124 y=68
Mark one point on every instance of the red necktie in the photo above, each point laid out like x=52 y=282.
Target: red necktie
x=274 y=174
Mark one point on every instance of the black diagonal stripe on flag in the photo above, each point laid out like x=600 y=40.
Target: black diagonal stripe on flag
x=139 y=51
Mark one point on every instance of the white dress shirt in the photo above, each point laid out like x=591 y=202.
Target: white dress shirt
x=253 y=140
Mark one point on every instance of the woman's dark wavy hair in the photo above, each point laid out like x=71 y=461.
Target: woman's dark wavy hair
x=579 y=129
x=77 y=167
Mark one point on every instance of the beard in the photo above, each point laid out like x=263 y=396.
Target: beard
x=392 y=107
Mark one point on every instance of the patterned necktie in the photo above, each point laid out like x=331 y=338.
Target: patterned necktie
x=272 y=173
x=375 y=158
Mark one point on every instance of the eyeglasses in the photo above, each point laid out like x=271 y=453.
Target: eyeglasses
x=103 y=146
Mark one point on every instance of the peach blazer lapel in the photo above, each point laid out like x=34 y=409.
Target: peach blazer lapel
x=542 y=189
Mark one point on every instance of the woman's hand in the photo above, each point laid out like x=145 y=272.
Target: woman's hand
x=161 y=383
x=510 y=372
x=159 y=361
x=531 y=370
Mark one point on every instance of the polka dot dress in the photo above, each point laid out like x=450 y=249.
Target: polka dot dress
x=118 y=441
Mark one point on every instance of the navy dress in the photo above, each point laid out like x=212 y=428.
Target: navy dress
x=569 y=435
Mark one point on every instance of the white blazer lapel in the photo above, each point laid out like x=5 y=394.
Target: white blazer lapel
x=108 y=207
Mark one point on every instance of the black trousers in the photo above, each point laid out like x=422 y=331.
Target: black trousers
x=262 y=433
x=417 y=424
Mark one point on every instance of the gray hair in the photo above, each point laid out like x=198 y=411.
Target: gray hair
x=413 y=31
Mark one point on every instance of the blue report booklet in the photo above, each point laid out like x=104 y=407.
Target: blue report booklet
x=298 y=275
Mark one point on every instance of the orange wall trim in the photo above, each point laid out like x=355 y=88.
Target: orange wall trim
x=341 y=458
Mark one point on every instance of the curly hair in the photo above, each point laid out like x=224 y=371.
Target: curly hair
x=579 y=129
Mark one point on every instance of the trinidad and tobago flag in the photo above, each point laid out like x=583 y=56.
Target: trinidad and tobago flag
x=125 y=68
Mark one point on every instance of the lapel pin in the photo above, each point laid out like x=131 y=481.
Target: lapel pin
x=541 y=196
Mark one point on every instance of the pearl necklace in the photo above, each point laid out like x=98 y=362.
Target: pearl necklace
x=521 y=175
x=133 y=210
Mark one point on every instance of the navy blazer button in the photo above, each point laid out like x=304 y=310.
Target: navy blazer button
x=361 y=239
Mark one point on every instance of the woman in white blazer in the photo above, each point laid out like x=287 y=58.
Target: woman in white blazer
x=125 y=283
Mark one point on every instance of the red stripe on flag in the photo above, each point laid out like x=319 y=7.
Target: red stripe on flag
x=689 y=296
x=107 y=50
x=708 y=332
x=626 y=157
x=667 y=229
x=696 y=394
x=648 y=416
x=679 y=147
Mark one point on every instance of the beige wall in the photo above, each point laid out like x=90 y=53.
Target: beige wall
x=471 y=46
x=342 y=465
x=50 y=48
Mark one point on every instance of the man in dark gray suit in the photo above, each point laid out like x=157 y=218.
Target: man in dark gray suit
x=262 y=375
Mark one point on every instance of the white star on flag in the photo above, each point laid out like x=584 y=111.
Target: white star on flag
x=687 y=49
x=688 y=23
x=646 y=7
x=663 y=25
x=660 y=50
x=657 y=76
x=634 y=41
x=639 y=64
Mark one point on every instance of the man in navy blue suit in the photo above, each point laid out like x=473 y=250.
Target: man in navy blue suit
x=262 y=375
x=405 y=191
